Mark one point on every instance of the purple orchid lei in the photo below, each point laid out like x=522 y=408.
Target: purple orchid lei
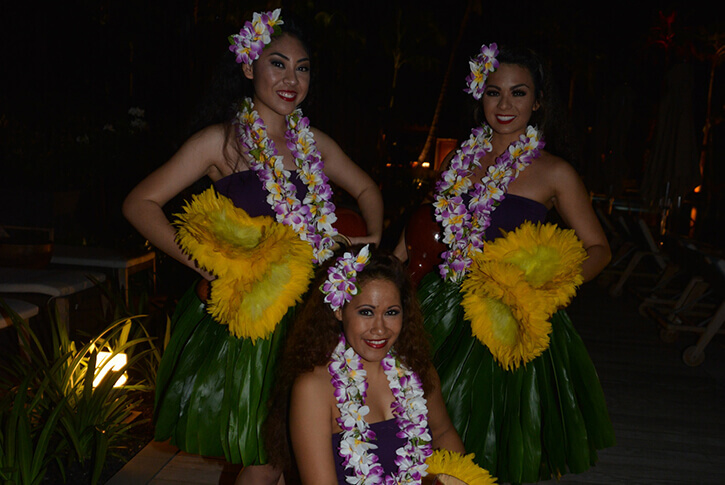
x=311 y=218
x=249 y=43
x=340 y=286
x=409 y=409
x=464 y=224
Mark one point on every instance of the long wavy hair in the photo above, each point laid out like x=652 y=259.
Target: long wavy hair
x=316 y=332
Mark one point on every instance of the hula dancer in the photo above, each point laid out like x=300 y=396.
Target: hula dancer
x=519 y=385
x=254 y=238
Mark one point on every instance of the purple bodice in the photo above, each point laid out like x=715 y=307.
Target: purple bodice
x=513 y=211
x=247 y=192
x=387 y=441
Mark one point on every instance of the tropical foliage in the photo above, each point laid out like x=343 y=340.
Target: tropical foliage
x=52 y=414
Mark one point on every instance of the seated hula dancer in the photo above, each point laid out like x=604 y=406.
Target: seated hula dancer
x=358 y=387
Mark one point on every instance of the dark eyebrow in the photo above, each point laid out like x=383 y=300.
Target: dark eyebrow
x=512 y=87
x=287 y=58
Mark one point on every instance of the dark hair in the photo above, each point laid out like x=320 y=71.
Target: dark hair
x=549 y=117
x=228 y=86
x=316 y=332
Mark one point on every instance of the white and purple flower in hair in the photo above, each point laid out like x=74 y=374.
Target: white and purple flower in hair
x=249 y=43
x=481 y=66
x=340 y=286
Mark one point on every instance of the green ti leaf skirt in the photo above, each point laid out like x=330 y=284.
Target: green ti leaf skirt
x=212 y=388
x=542 y=420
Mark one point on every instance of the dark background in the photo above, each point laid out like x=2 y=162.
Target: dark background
x=70 y=150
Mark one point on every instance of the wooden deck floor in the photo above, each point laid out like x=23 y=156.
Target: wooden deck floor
x=669 y=419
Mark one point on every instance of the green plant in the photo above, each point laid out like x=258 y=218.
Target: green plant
x=57 y=414
x=27 y=435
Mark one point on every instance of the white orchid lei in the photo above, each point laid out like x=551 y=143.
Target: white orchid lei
x=340 y=286
x=464 y=224
x=409 y=409
x=311 y=218
x=249 y=43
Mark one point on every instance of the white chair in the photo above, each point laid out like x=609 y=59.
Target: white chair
x=57 y=284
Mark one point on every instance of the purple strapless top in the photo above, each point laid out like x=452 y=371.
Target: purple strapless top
x=248 y=193
x=387 y=441
x=513 y=211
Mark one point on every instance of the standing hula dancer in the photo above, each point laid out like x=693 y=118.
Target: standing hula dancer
x=254 y=237
x=518 y=382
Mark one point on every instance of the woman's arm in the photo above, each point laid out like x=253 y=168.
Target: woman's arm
x=443 y=433
x=199 y=156
x=310 y=424
x=353 y=180
x=401 y=248
x=572 y=201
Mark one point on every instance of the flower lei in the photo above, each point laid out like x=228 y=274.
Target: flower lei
x=312 y=218
x=409 y=409
x=249 y=43
x=464 y=224
x=481 y=66
x=340 y=286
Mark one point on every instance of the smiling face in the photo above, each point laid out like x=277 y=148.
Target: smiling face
x=509 y=99
x=281 y=75
x=372 y=321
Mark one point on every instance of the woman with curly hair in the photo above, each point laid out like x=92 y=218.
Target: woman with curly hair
x=356 y=382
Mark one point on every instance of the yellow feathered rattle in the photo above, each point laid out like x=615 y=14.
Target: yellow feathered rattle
x=514 y=286
x=262 y=266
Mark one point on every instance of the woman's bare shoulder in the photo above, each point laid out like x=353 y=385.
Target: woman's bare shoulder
x=553 y=168
x=317 y=379
x=214 y=135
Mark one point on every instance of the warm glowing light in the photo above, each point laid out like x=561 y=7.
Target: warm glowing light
x=104 y=364
x=697 y=189
x=426 y=165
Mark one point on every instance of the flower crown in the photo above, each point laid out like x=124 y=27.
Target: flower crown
x=251 y=39
x=481 y=66
x=340 y=286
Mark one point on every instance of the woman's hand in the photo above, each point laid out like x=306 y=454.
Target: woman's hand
x=364 y=240
x=344 y=173
x=143 y=206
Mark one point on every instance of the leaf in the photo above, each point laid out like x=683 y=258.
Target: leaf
x=577 y=447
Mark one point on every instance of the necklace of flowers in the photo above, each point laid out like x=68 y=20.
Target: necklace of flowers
x=312 y=218
x=464 y=225
x=409 y=409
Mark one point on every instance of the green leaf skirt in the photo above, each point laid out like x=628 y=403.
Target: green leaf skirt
x=544 y=419
x=212 y=388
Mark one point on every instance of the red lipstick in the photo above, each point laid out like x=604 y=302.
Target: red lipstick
x=289 y=96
